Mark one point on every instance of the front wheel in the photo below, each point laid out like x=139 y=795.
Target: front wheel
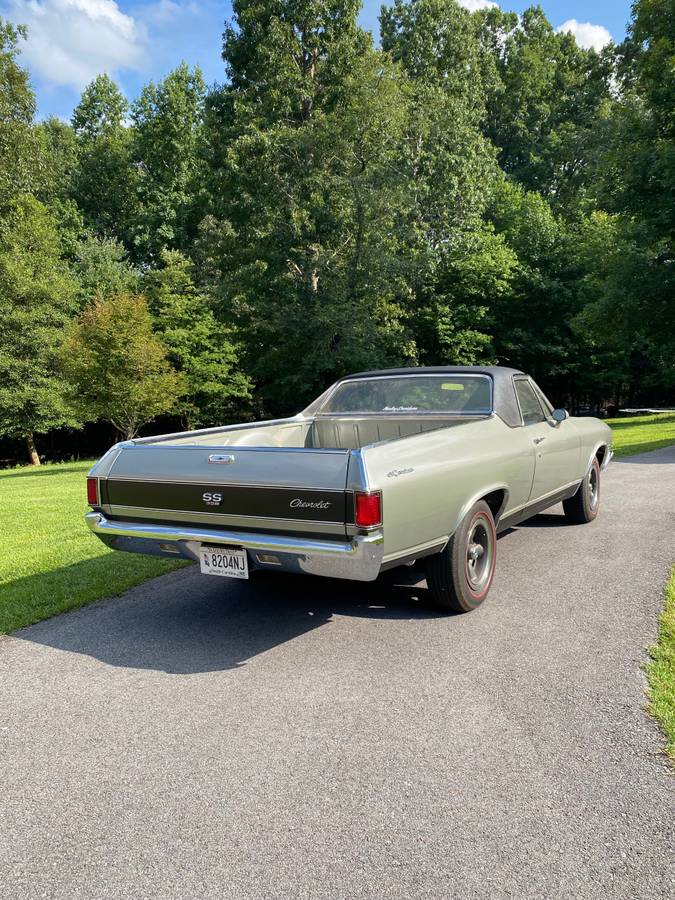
x=585 y=504
x=459 y=577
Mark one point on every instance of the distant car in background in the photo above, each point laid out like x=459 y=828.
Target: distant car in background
x=585 y=411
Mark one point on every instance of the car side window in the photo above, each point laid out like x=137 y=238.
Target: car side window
x=545 y=402
x=529 y=405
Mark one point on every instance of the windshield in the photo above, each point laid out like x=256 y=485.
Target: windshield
x=400 y=394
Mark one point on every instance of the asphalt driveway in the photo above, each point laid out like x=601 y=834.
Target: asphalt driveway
x=298 y=738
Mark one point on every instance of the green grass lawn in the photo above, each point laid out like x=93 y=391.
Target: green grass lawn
x=50 y=561
x=639 y=434
x=661 y=671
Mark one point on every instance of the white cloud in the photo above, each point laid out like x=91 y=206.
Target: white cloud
x=162 y=12
x=475 y=5
x=72 y=41
x=586 y=34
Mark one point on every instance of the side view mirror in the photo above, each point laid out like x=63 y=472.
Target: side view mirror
x=558 y=416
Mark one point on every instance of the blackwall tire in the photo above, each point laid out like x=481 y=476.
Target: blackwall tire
x=459 y=578
x=584 y=506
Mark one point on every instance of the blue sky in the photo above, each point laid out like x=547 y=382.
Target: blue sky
x=70 y=41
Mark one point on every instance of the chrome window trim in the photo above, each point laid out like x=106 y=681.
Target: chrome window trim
x=517 y=378
x=540 y=395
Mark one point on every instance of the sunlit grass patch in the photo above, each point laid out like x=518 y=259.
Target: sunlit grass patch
x=50 y=561
x=661 y=671
x=638 y=434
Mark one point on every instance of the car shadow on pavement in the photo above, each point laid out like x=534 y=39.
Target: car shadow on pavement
x=187 y=623
x=545 y=520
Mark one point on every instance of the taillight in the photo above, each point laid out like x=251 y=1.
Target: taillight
x=92 y=491
x=368 y=509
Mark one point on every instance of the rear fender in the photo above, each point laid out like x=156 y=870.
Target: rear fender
x=479 y=495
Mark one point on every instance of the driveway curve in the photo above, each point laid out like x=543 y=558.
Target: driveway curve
x=297 y=738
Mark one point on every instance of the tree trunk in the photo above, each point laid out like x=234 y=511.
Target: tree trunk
x=32 y=451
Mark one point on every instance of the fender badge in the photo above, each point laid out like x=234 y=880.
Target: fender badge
x=223 y=458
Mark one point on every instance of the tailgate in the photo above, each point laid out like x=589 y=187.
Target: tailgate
x=252 y=488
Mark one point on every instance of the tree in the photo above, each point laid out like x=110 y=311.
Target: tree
x=637 y=175
x=102 y=269
x=104 y=181
x=59 y=155
x=167 y=120
x=307 y=192
x=439 y=42
x=117 y=366
x=459 y=267
x=19 y=149
x=59 y=151
x=531 y=321
x=37 y=297
x=203 y=350
x=544 y=116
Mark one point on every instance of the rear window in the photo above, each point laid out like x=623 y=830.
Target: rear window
x=412 y=394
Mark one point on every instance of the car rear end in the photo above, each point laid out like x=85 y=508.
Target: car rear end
x=236 y=509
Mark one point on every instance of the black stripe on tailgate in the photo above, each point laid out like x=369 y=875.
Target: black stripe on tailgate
x=233 y=499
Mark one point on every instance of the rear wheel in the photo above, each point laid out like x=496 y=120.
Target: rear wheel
x=585 y=504
x=459 y=577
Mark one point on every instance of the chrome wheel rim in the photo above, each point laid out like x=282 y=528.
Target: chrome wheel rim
x=479 y=553
x=593 y=487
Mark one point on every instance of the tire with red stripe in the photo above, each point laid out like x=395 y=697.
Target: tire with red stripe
x=584 y=506
x=459 y=578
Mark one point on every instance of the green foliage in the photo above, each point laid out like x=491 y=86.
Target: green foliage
x=198 y=346
x=102 y=268
x=104 y=183
x=638 y=179
x=306 y=244
x=545 y=113
x=116 y=365
x=59 y=151
x=289 y=60
x=480 y=189
x=19 y=150
x=440 y=42
x=167 y=126
x=37 y=298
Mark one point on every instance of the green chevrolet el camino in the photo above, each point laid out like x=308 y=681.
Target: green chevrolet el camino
x=383 y=469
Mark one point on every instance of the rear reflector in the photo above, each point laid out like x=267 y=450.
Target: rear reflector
x=368 y=509
x=92 y=491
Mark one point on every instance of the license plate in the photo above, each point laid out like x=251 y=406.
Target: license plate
x=223 y=561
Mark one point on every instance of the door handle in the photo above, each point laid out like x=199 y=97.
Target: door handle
x=538 y=440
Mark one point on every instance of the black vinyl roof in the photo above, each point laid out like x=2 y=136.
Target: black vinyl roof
x=504 y=394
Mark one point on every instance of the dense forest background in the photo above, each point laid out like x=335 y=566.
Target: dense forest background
x=476 y=189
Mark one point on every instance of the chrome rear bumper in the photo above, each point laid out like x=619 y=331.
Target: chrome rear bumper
x=358 y=559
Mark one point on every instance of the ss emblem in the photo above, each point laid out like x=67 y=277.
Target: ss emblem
x=212 y=498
